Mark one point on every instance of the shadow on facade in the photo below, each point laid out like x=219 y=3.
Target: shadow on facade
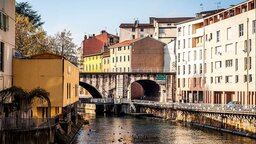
x=145 y=90
x=92 y=90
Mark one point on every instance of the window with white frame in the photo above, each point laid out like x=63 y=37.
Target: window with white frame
x=241 y=30
x=217 y=64
x=254 y=26
x=218 y=79
x=218 y=36
x=229 y=79
x=229 y=63
x=229 y=33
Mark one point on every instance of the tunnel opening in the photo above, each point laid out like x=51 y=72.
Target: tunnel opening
x=145 y=90
x=92 y=90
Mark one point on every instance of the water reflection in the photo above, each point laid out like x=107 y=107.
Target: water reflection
x=127 y=130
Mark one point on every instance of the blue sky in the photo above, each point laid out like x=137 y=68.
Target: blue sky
x=91 y=16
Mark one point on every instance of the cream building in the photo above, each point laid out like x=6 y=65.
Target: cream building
x=135 y=30
x=189 y=48
x=165 y=28
x=7 y=42
x=230 y=55
x=142 y=54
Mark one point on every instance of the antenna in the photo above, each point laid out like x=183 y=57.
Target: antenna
x=202 y=6
x=218 y=5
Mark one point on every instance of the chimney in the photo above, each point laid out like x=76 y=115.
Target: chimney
x=85 y=37
x=103 y=31
x=93 y=35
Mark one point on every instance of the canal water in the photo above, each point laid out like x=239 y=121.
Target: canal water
x=129 y=130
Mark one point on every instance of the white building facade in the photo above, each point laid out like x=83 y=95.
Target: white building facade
x=230 y=45
x=190 y=61
x=7 y=42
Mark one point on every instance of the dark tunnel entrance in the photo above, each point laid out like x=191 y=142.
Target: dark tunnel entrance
x=92 y=90
x=145 y=90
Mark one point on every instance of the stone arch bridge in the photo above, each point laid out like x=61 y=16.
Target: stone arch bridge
x=140 y=85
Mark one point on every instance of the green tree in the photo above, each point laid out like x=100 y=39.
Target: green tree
x=25 y=9
x=30 y=40
x=62 y=44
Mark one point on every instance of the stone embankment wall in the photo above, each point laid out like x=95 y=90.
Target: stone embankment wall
x=233 y=123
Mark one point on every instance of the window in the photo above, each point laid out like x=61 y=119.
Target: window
x=76 y=90
x=236 y=48
x=178 y=70
x=133 y=29
x=201 y=68
x=184 y=43
x=236 y=68
x=161 y=31
x=229 y=34
x=189 y=27
x=229 y=48
x=194 y=55
x=194 y=82
x=178 y=44
x=250 y=78
x=211 y=79
x=113 y=59
x=189 y=56
x=2 y=56
x=119 y=48
x=218 y=79
x=179 y=31
x=183 y=30
x=141 y=35
x=217 y=64
x=133 y=36
x=113 y=51
x=254 y=26
x=128 y=58
x=124 y=69
x=236 y=79
x=229 y=63
x=245 y=78
x=184 y=82
x=228 y=79
x=245 y=63
x=184 y=70
x=241 y=30
x=205 y=68
x=178 y=57
x=4 y=22
x=218 y=50
x=194 y=68
x=218 y=36
x=189 y=42
x=178 y=83
x=189 y=69
x=211 y=66
x=124 y=59
x=116 y=59
x=200 y=55
x=250 y=63
x=142 y=29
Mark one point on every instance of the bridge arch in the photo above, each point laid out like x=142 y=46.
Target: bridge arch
x=145 y=89
x=92 y=90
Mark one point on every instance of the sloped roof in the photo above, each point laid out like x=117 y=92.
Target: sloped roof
x=127 y=42
x=95 y=44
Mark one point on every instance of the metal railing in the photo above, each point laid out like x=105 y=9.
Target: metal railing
x=215 y=108
x=25 y=123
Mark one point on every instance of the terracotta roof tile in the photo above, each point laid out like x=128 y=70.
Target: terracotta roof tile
x=127 y=42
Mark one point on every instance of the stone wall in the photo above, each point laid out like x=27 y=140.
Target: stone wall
x=233 y=123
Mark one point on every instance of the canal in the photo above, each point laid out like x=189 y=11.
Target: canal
x=129 y=130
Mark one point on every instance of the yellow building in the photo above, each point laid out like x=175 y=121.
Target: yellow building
x=54 y=74
x=106 y=61
x=93 y=63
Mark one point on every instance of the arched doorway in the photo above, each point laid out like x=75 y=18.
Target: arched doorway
x=145 y=90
